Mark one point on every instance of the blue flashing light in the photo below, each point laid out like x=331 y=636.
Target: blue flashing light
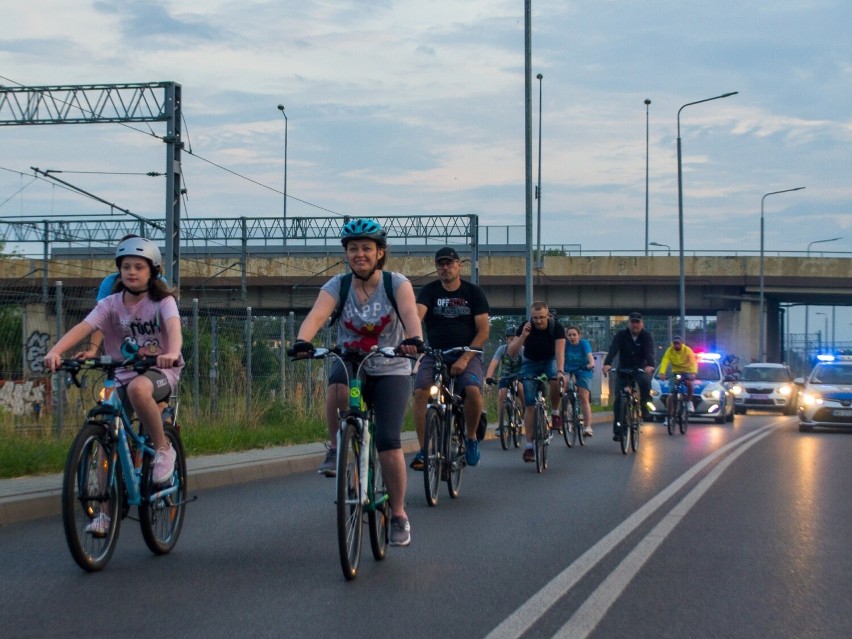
x=825 y=358
x=710 y=356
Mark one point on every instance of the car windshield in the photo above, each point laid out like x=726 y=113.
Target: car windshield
x=708 y=371
x=764 y=374
x=827 y=374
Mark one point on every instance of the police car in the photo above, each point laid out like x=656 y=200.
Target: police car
x=826 y=396
x=765 y=386
x=711 y=394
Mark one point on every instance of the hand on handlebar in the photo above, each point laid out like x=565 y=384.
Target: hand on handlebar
x=302 y=348
x=411 y=346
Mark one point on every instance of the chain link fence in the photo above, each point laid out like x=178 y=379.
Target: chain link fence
x=237 y=371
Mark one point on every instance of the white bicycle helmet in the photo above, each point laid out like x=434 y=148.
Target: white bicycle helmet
x=140 y=247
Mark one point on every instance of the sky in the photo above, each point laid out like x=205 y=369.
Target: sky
x=416 y=108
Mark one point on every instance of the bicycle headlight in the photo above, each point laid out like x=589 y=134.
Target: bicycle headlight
x=435 y=393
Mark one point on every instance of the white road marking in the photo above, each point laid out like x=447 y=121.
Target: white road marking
x=536 y=606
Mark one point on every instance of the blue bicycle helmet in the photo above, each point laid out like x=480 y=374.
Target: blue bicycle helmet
x=363 y=228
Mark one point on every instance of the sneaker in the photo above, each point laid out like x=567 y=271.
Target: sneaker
x=418 y=463
x=666 y=422
x=99 y=526
x=400 y=532
x=328 y=467
x=587 y=431
x=690 y=407
x=163 y=468
x=471 y=454
x=556 y=423
x=529 y=454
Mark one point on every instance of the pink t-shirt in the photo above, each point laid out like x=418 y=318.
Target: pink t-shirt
x=141 y=325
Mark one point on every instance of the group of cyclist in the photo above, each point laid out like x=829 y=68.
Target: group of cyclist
x=138 y=313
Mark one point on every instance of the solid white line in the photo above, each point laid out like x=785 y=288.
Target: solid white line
x=589 y=615
x=536 y=606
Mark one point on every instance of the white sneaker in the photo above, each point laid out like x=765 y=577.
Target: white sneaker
x=99 y=526
x=690 y=407
x=164 y=465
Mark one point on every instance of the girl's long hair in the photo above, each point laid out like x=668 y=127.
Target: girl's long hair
x=158 y=289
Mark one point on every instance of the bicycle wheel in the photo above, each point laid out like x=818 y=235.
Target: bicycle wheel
x=626 y=416
x=504 y=423
x=670 y=421
x=579 y=424
x=161 y=519
x=86 y=499
x=540 y=439
x=635 y=423
x=569 y=428
x=378 y=512
x=683 y=422
x=455 y=459
x=349 y=507
x=433 y=456
x=517 y=424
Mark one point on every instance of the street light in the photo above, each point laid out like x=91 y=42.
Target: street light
x=647 y=104
x=284 y=224
x=658 y=244
x=807 y=307
x=761 y=320
x=680 y=207
x=540 y=258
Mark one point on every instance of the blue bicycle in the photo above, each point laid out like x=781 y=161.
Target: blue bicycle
x=109 y=470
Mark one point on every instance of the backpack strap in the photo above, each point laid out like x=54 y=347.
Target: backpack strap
x=345 y=285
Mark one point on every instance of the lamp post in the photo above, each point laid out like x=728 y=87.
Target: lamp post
x=284 y=223
x=807 y=308
x=539 y=258
x=669 y=248
x=680 y=208
x=761 y=320
x=825 y=332
x=647 y=104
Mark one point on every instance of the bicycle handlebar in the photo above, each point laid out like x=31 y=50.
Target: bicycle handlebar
x=139 y=363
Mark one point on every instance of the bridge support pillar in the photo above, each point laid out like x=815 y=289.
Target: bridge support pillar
x=738 y=332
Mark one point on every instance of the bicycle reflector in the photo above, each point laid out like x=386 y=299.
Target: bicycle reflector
x=107 y=390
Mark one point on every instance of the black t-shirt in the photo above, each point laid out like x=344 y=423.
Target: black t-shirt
x=540 y=346
x=450 y=315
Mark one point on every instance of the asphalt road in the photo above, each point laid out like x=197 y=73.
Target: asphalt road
x=729 y=531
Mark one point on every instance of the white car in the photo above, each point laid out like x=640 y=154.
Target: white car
x=765 y=387
x=826 y=397
x=711 y=393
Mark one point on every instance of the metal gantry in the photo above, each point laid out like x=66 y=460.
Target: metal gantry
x=116 y=103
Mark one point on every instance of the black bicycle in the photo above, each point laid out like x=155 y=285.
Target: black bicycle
x=680 y=414
x=629 y=413
x=360 y=486
x=541 y=425
x=109 y=469
x=510 y=421
x=569 y=410
x=445 y=432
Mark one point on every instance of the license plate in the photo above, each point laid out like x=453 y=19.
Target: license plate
x=843 y=412
x=759 y=396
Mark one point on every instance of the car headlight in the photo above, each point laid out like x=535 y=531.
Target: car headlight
x=655 y=392
x=811 y=399
x=736 y=389
x=785 y=390
x=714 y=393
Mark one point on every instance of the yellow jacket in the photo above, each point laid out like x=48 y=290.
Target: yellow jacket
x=682 y=361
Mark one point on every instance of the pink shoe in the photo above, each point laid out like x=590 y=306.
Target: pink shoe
x=164 y=465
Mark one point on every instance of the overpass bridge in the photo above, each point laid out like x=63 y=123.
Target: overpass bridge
x=273 y=280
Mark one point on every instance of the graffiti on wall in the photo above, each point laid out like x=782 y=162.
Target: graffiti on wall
x=35 y=351
x=21 y=398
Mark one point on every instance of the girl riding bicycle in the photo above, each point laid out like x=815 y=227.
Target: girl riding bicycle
x=579 y=358
x=141 y=317
x=368 y=318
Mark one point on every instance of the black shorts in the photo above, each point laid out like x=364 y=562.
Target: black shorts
x=392 y=393
x=162 y=389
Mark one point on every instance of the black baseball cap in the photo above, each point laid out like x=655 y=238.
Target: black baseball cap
x=446 y=253
x=635 y=316
x=677 y=339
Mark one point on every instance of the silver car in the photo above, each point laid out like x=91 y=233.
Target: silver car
x=711 y=393
x=826 y=397
x=765 y=387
